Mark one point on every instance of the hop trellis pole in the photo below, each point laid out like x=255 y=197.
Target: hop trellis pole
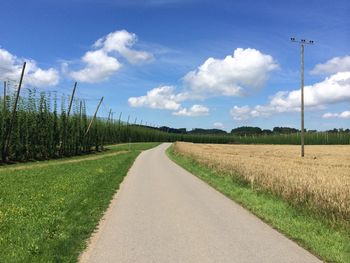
x=94 y=117
x=9 y=130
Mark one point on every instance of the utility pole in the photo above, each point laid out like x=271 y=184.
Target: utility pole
x=302 y=43
x=93 y=118
x=71 y=99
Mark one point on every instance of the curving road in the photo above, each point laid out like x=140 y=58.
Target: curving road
x=162 y=214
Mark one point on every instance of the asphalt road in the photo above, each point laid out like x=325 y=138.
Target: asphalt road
x=164 y=214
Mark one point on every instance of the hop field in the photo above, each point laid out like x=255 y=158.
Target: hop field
x=321 y=180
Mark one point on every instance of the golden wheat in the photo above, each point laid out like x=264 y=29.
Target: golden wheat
x=321 y=179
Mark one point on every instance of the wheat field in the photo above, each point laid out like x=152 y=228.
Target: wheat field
x=321 y=179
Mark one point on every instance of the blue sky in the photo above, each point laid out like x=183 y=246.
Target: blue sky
x=159 y=48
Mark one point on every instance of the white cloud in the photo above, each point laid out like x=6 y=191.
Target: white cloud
x=121 y=42
x=101 y=62
x=158 y=98
x=334 y=65
x=99 y=66
x=246 y=68
x=342 y=115
x=333 y=89
x=165 y=98
x=345 y=115
x=218 y=125
x=330 y=115
x=241 y=113
x=195 y=110
x=11 y=68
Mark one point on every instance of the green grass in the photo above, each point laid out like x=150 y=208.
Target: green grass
x=327 y=239
x=48 y=212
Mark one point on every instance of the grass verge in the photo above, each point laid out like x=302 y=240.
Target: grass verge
x=47 y=212
x=328 y=240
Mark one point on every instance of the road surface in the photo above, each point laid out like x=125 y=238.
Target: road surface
x=164 y=214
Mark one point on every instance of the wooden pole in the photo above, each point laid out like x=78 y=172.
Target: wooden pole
x=120 y=116
x=127 y=130
x=5 y=84
x=7 y=141
x=119 y=127
x=109 y=115
x=71 y=99
x=127 y=123
x=108 y=121
x=80 y=109
x=93 y=118
x=4 y=112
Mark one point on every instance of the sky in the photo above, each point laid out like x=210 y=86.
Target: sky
x=186 y=63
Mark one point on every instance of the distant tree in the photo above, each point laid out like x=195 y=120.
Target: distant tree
x=246 y=130
x=172 y=130
x=333 y=131
x=206 y=131
x=266 y=131
x=284 y=130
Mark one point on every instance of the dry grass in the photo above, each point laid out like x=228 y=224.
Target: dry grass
x=320 y=180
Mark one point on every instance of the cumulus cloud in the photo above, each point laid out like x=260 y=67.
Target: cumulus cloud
x=195 y=110
x=165 y=98
x=218 y=125
x=121 y=42
x=342 y=115
x=241 y=113
x=246 y=68
x=99 y=66
x=11 y=68
x=162 y=97
x=333 y=89
x=334 y=65
x=102 y=61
